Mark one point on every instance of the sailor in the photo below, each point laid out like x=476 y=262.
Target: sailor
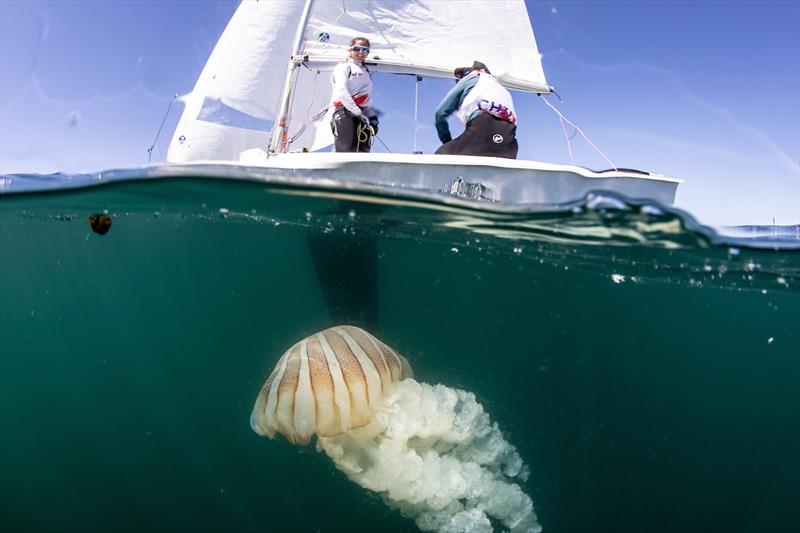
x=487 y=112
x=354 y=122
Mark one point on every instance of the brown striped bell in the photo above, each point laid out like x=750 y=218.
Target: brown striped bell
x=328 y=383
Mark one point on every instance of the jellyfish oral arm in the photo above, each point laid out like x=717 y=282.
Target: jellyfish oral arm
x=439 y=460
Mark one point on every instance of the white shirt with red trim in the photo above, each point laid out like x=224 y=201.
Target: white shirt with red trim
x=352 y=86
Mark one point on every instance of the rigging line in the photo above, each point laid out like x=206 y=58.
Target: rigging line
x=150 y=150
x=308 y=111
x=569 y=144
x=574 y=133
x=317 y=116
x=384 y=144
x=579 y=131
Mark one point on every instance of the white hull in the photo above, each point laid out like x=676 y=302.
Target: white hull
x=506 y=184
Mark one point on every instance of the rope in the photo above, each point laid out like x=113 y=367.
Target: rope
x=568 y=139
x=150 y=150
x=384 y=144
x=364 y=135
x=563 y=118
x=319 y=114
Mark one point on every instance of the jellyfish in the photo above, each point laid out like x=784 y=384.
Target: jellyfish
x=430 y=451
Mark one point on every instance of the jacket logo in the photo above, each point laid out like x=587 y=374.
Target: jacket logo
x=498 y=110
x=497 y=138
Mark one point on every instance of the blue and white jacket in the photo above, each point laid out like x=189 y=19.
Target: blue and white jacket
x=476 y=93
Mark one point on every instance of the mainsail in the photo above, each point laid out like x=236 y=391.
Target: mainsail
x=431 y=37
x=237 y=99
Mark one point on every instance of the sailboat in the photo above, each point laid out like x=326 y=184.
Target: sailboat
x=259 y=110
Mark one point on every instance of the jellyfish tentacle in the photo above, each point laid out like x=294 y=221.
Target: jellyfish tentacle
x=443 y=462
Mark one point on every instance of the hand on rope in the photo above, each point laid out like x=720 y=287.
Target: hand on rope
x=373 y=124
x=372 y=115
x=364 y=132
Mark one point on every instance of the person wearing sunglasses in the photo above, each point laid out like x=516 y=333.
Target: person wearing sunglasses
x=354 y=121
x=487 y=111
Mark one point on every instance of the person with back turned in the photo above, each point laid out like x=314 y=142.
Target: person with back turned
x=487 y=111
x=354 y=122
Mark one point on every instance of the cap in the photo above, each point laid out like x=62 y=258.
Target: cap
x=463 y=71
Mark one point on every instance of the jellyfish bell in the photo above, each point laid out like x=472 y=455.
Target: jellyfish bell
x=327 y=384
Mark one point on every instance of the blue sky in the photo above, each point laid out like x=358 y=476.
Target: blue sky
x=703 y=91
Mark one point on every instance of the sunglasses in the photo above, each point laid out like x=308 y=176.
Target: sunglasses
x=364 y=49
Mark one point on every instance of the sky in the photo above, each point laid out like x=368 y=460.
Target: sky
x=708 y=92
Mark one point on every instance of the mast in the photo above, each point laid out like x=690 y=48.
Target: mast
x=277 y=142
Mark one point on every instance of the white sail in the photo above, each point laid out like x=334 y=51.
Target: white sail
x=309 y=116
x=431 y=37
x=234 y=104
x=232 y=107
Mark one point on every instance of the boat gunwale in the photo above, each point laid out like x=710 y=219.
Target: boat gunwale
x=332 y=160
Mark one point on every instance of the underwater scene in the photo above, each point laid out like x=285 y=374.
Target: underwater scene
x=607 y=366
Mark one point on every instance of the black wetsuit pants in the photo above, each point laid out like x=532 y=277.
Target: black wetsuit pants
x=484 y=135
x=345 y=126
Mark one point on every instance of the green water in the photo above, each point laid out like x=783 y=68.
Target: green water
x=649 y=379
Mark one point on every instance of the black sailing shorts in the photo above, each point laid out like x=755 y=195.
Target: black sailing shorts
x=484 y=135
